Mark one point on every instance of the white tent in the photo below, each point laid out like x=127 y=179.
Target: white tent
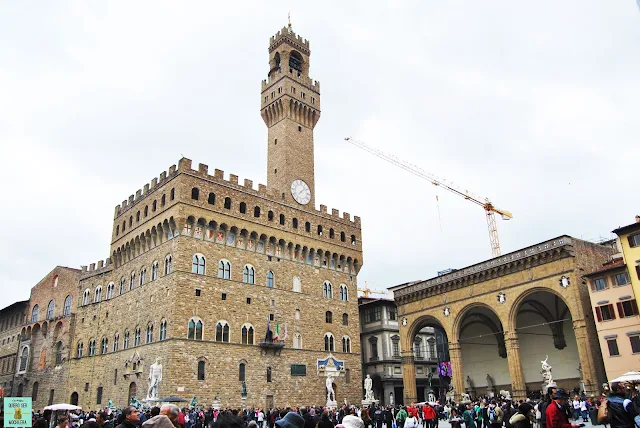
x=628 y=377
x=62 y=406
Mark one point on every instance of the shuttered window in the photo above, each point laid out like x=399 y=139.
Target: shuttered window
x=627 y=308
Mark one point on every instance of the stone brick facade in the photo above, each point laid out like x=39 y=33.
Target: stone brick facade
x=217 y=252
x=46 y=338
x=11 y=321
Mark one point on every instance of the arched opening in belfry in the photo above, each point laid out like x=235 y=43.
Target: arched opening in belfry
x=484 y=354
x=545 y=333
x=295 y=61
x=430 y=351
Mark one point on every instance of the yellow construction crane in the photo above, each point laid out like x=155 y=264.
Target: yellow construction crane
x=366 y=290
x=489 y=209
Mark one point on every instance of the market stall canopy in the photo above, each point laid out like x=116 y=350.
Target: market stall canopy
x=628 y=377
x=62 y=406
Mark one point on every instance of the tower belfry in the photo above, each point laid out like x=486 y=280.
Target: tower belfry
x=290 y=107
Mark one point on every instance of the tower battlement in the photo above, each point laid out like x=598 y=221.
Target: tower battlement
x=291 y=37
x=185 y=166
x=276 y=75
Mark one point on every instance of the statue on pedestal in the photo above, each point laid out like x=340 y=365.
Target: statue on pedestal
x=469 y=383
x=368 y=391
x=489 y=383
x=546 y=374
x=331 y=395
x=155 y=377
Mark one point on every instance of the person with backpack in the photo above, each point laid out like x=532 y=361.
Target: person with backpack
x=495 y=415
x=401 y=417
x=467 y=416
x=618 y=409
x=522 y=418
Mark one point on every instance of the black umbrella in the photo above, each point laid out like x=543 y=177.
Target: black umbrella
x=173 y=399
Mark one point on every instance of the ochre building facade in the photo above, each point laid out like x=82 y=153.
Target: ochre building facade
x=241 y=294
x=503 y=317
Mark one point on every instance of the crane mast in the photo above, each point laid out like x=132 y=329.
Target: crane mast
x=488 y=207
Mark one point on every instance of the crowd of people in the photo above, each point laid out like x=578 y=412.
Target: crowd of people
x=555 y=410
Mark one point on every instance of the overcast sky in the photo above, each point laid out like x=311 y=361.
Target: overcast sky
x=533 y=104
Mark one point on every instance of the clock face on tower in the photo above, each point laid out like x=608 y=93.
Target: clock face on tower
x=300 y=192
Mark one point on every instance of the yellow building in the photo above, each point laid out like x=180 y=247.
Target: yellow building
x=629 y=238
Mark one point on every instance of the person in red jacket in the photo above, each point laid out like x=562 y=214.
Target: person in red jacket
x=555 y=414
x=429 y=416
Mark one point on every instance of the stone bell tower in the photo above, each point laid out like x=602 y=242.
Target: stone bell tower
x=290 y=107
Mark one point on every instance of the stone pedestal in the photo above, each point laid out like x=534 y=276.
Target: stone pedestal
x=243 y=402
x=369 y=403
x=332 y=404
x=216 y=404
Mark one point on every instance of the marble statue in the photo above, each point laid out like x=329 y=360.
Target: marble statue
x=505 y=394
x=331 y=395
x=469 y=383
x=155 y=377
x=489 y=383
x=546 y=373
x=368 y=391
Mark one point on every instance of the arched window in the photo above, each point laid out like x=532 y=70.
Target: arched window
x=97 y=298
x=123 y=283
x=224 y=269
x=110 y=289
x=146 y=211
x=149 y=333
x=332 y=233
x=294 y=223
x=343 y=293
x=227 y=203
x=319 y=230
x=153 y=207
x=79 y=349
x=154 y=270
x=195 y=329
x=138 y=217
x=270 y=279
x=195 y=193
x=346 y=344
x=104 y=345
x=86 y=297
x=345 y=319
x=307 y=227
x=327 y=290
x=168 y=264
x=256 y=211
x=212 y=198
x=132 y=281
x=198 y=264
x=242 y=368
x=92 y=348
x=116 y=342
x=328 y=317
x=143 y=276
x=248 y=275
x=282 y=219
x=247 y=334
x=34 y=391
x=329 y=343
x=24 y=357
x=163 y=330
x=297 y=341
x=353 y=239
x=173 y=194
x=163 y=200
x=34 y=314
x=117 y=230
x=126 y=340
x=200 y=370
x=343 y=237
x=50 y=309
x=270 y=216
x=297 y=284
x=136 y=337
x=295 y=61
x=222 y=331
x=243 y=208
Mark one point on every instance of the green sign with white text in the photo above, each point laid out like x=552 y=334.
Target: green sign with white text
x=17 y=412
